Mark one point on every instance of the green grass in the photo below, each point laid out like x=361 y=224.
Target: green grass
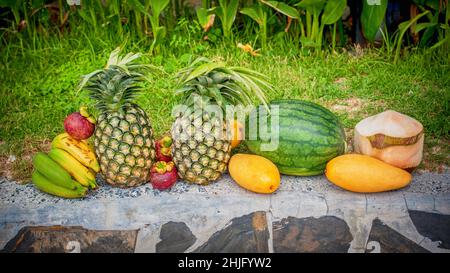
x=37 y=86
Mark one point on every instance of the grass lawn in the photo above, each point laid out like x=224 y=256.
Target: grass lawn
x=37 y=88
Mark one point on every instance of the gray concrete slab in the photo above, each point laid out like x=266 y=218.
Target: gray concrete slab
x=207 y=210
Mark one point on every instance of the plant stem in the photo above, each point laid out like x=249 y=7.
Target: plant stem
x=263 y=31
x=333 y=42
x=308 y=24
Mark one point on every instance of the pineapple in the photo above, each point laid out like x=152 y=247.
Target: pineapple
x=123 y=137
x=202 y=143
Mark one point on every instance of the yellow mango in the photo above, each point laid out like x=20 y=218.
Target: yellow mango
x=362 y=173
x=254 y=173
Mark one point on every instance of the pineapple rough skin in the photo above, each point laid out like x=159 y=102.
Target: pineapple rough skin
x=125 y=147
x=199 y=151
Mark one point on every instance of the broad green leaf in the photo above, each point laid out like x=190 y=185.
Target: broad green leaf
x=137 y=6
x=421 y=26
x=312 y=6
x=372 y=16
x=429 y=32
x=333 y=11
x=407 y=24
x=283 y=8
x=158 y=6
x=403 y=27
x=226 y=11
x=202 y=16
x=219 y=12
x=231 y=12
x=255 y=12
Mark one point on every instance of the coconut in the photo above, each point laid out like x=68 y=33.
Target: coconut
x=392 y=137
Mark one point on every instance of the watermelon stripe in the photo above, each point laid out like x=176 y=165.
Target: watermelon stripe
x=310 y=111
x=310 y=135
x=303 y=104
x=323 y=122
x=325 y=119
x=315 y=111
x=306 y=124
x=313 y=129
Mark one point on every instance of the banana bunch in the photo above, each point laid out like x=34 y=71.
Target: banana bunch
x=68 y=170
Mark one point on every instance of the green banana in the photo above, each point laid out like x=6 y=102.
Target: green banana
x=53 y=171
x=81 y=189
x=43 y=184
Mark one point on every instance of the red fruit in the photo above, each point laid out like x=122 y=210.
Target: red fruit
x=163 y=152
x=78 y=127
x=163 y=175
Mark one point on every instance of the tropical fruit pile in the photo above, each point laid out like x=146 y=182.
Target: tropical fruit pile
x=312 y=141
x=309 y=139
x=69 y=169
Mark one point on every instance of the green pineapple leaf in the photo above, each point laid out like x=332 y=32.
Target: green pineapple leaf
x=223 y=84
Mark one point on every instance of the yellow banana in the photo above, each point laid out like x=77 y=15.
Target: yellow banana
x=81 y=173
x=78 y=149
x=88 y=143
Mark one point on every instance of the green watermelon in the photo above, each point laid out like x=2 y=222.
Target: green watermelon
x=309 y=136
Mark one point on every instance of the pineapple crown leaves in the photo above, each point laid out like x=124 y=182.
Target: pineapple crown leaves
x=223 y=84
x=118 y=82
x=112 y=90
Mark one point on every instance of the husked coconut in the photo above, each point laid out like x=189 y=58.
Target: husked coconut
x=392 y=137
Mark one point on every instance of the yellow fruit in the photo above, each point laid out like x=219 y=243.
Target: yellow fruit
x=78 y=149
x=362 y=173
x=237 y=134
x=81 y=173
x=84 y=111
x=88 y=143
x=254 y=173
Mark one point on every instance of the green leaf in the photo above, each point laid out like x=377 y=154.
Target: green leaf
x=333 y=11
x=421 y=26
x=231 y=12
x=13 y=4
x=255 y=12
x=202 y=16
x=403 y=27
x=202 y=69
x=283 y=8
x=440 y=43
x=160 y=33
x=158 y=6
x=137 y=6
x=227 y=13
x=371 y=18
x=308 y=42
x=312 y=6
x=429 y=32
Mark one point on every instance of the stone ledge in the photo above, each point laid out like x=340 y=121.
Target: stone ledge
x=195 y=218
